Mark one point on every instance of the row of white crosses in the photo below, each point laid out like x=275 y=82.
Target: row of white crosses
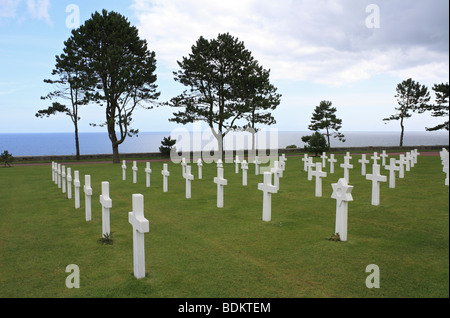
x=408 y=160
x=136 y=217
x=147 y=170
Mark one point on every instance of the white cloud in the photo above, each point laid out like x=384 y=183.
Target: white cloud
x=39 y=10
x=323 y=41
x=8 y=8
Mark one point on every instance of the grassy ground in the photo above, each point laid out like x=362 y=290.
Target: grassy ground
x=194 y=249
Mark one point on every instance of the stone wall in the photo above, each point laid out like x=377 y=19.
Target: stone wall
x=125 y=156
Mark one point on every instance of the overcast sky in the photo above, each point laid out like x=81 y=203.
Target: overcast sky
x=340 y=50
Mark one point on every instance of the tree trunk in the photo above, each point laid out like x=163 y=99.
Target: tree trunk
x=116 y=157
x=402 y=133
x=328 y=138
x=77 y=142
x=114 y=142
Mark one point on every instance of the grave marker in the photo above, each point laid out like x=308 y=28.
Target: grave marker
x=148 y=170
x=309 y=165
x=77 y=184
x=135 y=169
x=342 y=193
x=276 y=174
x=124 y=170
x=319 y=174
x=332 y=161
x=346 y=165
x=392 y=168
x=189 y=177
x=383 y=156
x=375 y=158
x=69 y=183
x=200 y=168
x=324 y=159
x=305 y=162
x=183 y=166
x=363 y=162
x=267 y=189
x=140 y=226
x=63 y=178
x=59 y=176
x=244 y=167
x=221 y=182
x=165 y=172
x=376 y=178
x=236 y=164
x=257 y=163
x=401 y=162
x=106 y=203
x=87 y=197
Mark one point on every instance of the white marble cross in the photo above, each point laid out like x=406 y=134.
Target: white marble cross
x=407 y=159
x=244 y=167
x=257 y=163
x=63 y=179
x=189 y=177
x=376 y=178
x=324 y=159
x=319 y=174
x=59 y=176
x=309 y=165
x=69 y=183
x=165 y=172
x=106 y=203
x=219 y=163
x=346 y=165
x=124 y=170
x=87 y=197
x=276 y=174
x=332 y=161
x=342 y=193
x=383 y=156
x=416 y=155
x=183 y=166
x=200 y=168
x=236 y=164
x=392 y=167
x=135 y=169
x=363 y=162
x=267 y=189
x=76 y=185
x=347 y=154
x=148 y=170
x=401 y=162
x=411 y=159
x=375 y=158
x=281 y=165
x=140 y=226
x=221 y=182
x=53 y=171
x=305 y=160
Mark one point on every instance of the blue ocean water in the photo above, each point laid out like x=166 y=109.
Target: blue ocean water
x=41 y=144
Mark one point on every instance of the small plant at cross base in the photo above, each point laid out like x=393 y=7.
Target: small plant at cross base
x=106 y=239
x=335 y=237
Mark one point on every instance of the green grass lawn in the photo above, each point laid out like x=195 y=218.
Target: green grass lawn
x=194 y=249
